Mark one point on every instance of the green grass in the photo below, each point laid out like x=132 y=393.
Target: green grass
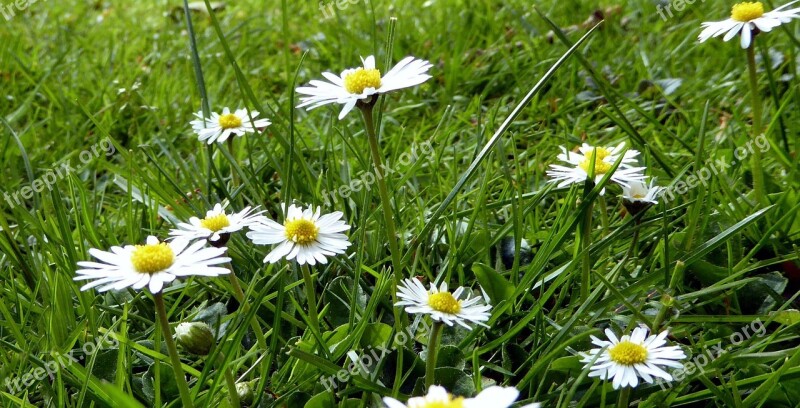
x=710 y=263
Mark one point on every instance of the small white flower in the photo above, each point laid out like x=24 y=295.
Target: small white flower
x=151 y=265
x=438 y=397
x=626 y=359
x=304 y=235
x=218 y=128
x=640 y=192
x=441 y=305
x=748 y=18
x=604 y=159
x=360 y=83
x=216 y=223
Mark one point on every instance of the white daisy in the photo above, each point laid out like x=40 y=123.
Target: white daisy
x=438 y=397
x=218 y=128
x=748 y=18
x=357 y=84
x=216 y=223
x=630 y=357
x=604 y=159
x=642 y=193
x=151 y=265
x=441 y=305
x=304 y=235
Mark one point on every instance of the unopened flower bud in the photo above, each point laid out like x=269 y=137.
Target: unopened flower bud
x=195 y=337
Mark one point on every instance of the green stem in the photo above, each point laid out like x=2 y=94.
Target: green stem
x=586 y=240
x=311 y=298
x=180 y=377
x=755 y=158
x=388 y=218
x=231 y=382
x=238 y=293
x=433 y=349
x=624 y=397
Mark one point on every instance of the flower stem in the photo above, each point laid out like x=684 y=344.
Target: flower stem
x=386 y=203
x=755 y=158
x=311 y=298
x=180 y=377
x=624 y=397
x=586 y=240
x=433 y=349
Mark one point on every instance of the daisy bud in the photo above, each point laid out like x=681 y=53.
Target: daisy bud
x=245 y=392
x=195 y=337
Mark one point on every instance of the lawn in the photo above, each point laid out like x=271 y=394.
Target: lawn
x=553 y=202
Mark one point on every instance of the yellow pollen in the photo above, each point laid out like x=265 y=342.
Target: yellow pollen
x=600 y=167
x=229 y=121
x=152 y=258
x=360 y=79
x=747 y=11
x=628 y=353
x=444 y=302
x=450 y=403
x=301 y=231
x=216 y=222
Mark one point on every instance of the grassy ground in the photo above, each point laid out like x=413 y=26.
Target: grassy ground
x=96 y=98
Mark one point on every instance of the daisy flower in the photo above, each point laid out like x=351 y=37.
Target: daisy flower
x=151 y=265
x=579 y=164
x=441 y=305
x=495 y=397
x=748 y=18
x=216 y=224
x=357 y=84
x=218 y=128
x=630 y=357
x=641 y=193
x=305 y=236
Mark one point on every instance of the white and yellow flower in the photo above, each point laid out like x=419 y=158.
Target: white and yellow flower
x=579 y=164
x=304 y=235
x=438 y=397
x=748 y=19
x=218 y=128
x=217 y=223
x=360 y=83
x=632 y=356
x=151 y=265
x=641 y=193
x=442 y=305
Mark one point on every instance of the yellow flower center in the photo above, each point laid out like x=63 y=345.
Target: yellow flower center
x=229 y=121
x=444 y=302
x=301 y=231
x=600 y=166
x=216 y=222
x=360 y=79
x=152 y=258
x=747 y=11
x=450 y=403
x=638 y=196
x=628 y=353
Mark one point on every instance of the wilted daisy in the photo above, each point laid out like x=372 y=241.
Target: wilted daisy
x=748 y=18
x=442 y=305
x=216 y=223
x=360 y=83
x=495 y=397
x=626 y=359
x=218 y=128
x=151 y=265
x=579 y=165
x=304 y=235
